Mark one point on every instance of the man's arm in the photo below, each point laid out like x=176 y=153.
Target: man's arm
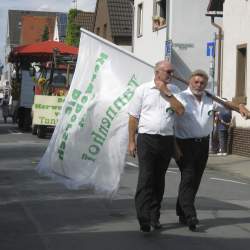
x=241 y=108
x=168 y=95
x=245 y=113
x=132 y=128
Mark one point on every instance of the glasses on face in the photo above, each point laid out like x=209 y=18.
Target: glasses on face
x=170 y=71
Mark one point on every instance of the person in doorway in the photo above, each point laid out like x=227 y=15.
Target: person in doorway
x=152 y=112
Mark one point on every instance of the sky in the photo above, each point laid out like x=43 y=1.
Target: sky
x=39 y=5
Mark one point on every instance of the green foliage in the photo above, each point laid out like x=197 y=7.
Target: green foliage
x=45 y=35
x=73 y=29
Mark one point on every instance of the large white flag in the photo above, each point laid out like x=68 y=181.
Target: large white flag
x=89 y=144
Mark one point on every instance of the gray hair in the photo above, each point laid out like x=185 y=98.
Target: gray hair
x=199 y=72
x=159 y=64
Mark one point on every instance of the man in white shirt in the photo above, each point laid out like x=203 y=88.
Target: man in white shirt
x=192 y=131
x=152 y=112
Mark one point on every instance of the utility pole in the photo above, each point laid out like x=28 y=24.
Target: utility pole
x=75 y=4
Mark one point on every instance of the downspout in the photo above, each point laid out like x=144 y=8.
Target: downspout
x=219 y=54
x=169 y=25
x=133 y=17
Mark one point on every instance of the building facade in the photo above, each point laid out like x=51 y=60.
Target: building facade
x=175 y=28
x=235 y=86
x=113 y=21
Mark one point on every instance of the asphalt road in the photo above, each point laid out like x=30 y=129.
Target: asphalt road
x=37 y=213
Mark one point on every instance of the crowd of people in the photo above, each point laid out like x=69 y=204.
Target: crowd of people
x=162 y=121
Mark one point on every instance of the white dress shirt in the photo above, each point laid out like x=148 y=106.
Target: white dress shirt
x=197 y=120
x=152 y=110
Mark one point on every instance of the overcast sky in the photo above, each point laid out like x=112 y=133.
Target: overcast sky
x=42 y=5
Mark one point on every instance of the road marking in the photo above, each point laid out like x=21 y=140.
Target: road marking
x=131 y=164
x=16 y=132
x=226 y=180
x=136 y=165
x=169 y=171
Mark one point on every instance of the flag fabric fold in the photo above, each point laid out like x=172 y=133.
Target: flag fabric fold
x=89 y=144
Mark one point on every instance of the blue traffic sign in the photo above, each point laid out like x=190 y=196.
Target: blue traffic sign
x=168 y=48
x=210 y=48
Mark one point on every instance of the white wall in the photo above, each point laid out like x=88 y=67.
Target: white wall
x=150 y=46
x=236 y=19
x=189 y=26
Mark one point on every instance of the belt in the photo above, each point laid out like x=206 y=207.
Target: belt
x=196 y=139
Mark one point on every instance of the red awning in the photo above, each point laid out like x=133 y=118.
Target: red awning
x=45 y=47
x=42 y=49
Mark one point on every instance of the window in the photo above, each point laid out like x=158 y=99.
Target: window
x=241 y=74
x=105 y=31
x=139 y=19
x=159 y=14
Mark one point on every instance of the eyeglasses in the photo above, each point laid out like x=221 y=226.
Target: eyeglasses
x=167 y=71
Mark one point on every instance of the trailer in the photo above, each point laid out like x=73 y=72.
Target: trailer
x=52 y=86
x=35 y=68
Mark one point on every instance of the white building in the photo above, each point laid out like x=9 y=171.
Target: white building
x=184 y=22
x=236 y=18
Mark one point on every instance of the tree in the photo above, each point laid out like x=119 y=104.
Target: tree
x=73 y=29
x=45 y=35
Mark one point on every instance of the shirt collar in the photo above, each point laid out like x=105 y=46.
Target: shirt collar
x=152 y=85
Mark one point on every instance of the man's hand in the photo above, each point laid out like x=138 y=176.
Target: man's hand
x=162 y=86
x=132 y=149
x=132 y=128
x=245 y=113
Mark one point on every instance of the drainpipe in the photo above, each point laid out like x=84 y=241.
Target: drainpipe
x=169 y=25
x=133 y=23
x=219 y=55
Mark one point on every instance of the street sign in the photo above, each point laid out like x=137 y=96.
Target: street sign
x=168 y=49
x=210 y=48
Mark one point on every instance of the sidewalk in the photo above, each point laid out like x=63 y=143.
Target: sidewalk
x=234 y=164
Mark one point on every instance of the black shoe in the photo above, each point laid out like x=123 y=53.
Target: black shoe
x=156 y=225
x=182 y=220
x=192 y=222
x=145 y=228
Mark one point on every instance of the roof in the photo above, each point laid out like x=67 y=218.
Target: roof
x=33 y=28
x=215 y=5
x=14 y=17
x=85 y=20
x=120 y=14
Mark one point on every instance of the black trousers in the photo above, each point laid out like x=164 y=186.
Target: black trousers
x=192 y=165
x=154 y=154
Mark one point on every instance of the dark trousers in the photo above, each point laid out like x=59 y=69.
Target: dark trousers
x=192 y=165
x=154 y=154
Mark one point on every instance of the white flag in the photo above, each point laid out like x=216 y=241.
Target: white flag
x=89 y=144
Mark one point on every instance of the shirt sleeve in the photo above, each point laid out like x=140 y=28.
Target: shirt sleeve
x=135 y=105
x=181 y=98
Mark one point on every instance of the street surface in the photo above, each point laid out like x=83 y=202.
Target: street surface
x=38 y=214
